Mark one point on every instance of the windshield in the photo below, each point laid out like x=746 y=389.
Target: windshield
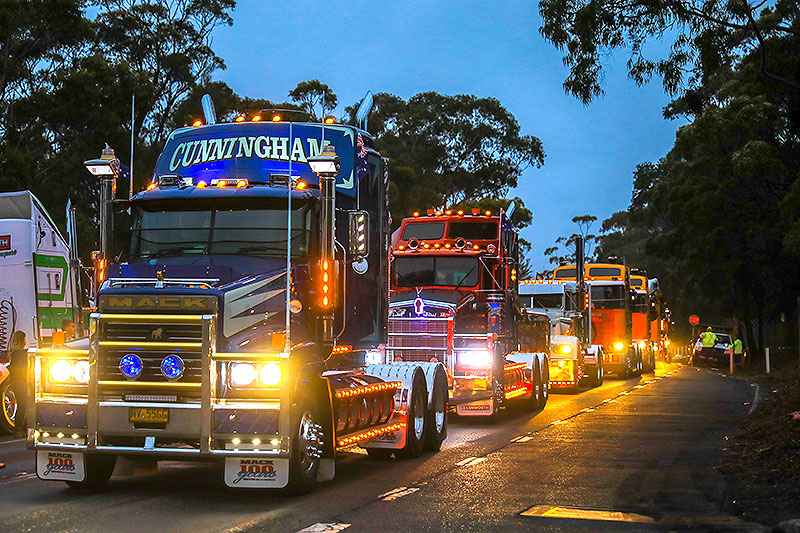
x=436 y=271
x=473 y=230
x=542 y=301
x=423 y=230
x=605 y=271
x=640 y=303
x=565 y=273
x=608 y=297
x=259 y=232
x=722 y=338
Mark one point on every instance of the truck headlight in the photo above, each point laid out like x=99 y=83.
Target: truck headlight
x=475 y=359
x=80 y=372
x=565 y=349
x=243 y=374
x=642 y=345
x=270 y=374
x=618 y=346
x=61 y=370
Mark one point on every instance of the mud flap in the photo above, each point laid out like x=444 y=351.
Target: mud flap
x=60 y=466
x=395 y=440
x=479 y=408
x=256 y=473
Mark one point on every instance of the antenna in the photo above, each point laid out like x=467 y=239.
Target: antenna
x=133 y=103
x=363 y=110
x=208 y=109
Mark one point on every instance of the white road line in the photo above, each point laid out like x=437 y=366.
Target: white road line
x=522 y=438
x=14 y=479
x=12 y=441
x=470 y=461
x=398 y=493
x=756 y=398
x=321 y=527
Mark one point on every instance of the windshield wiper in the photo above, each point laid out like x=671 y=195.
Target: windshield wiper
x=460 y=283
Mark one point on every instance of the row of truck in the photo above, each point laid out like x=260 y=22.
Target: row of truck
x=252 y=306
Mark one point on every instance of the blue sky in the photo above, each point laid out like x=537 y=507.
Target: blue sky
x=452 y=47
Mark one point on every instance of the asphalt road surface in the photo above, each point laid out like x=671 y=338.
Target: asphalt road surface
x=631 y=455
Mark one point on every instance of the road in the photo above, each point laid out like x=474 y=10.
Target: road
x=631 y=455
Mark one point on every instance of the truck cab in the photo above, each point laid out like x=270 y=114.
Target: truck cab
x=453 y=299
x=237 y=318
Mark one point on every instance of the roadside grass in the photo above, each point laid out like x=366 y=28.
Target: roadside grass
x=762 y=463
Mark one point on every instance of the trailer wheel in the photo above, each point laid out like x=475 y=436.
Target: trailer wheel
x=306 y=450
x=534 y=403
x=436 y=419
x=415 y=419
x=98 y=468
x=9 y=407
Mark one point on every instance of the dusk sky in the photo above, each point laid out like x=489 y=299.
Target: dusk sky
x=462 y=47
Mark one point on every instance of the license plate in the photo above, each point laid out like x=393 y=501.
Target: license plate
x=149 y=415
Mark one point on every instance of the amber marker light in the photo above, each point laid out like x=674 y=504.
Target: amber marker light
x=330 y=120
x=151 y=186
x=488 y=213
x=301 y=185
x=276 y=118
x=241 y=183
x=416 y=214
x=257 y=118
x=201 y=184
x=221 y=184
x=197 y=122
x=240 y=118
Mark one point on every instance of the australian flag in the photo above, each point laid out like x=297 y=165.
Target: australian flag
x=362 y=167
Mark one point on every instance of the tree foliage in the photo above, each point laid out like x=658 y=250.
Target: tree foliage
x=706 y=37
x=315 y=98
x=447 y=150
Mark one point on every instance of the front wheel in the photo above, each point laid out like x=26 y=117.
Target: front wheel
x=306 y=450
x=98 y=469
x=415 y=419
x=9 y=407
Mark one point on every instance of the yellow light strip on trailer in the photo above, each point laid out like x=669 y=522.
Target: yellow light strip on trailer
x=515 y=366
x=143 y=344
x=148 y=385
x=515 y=391
x=149 y=318
x=376 y=387
x=371 y=433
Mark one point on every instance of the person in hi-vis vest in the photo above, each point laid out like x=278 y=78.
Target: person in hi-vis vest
x=738 y=350
x=707 y=342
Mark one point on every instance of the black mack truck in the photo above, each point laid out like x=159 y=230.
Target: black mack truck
x=239 y=319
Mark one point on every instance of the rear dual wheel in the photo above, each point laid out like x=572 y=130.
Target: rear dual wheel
x=415 y=419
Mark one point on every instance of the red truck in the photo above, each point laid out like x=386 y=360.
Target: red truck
x=453 y=299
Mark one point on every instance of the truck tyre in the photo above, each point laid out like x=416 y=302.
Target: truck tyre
x=545 y=386
x=9 y=407
x=415 y=419
x=436 y=419
x=99 y=468
x=306 y=449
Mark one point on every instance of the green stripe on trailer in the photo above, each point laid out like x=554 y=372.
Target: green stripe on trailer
x=51 y=317
x=53 y=261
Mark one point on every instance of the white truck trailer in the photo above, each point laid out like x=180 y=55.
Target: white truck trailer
x=36 y=288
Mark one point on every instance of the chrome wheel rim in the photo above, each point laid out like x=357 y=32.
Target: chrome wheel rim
x=439 y=414
x=419 y=416
x=10 y=405
x=310 y=444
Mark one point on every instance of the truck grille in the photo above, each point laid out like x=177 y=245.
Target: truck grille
x=430 y=336
x=133 y=334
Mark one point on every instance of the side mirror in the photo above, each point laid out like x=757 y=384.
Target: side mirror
x=359 y=238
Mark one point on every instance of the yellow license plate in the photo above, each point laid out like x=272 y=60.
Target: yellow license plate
x=150 y=415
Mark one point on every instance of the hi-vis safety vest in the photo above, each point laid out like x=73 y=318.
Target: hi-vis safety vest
x=708 y=339
x=737 y=346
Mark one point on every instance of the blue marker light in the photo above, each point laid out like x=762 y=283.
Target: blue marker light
x=131 y=365
x=172 y=367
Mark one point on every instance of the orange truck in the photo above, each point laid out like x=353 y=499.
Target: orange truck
x=640 y=320
x=611 y=311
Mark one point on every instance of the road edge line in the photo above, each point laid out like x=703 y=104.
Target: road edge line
x=756 y=399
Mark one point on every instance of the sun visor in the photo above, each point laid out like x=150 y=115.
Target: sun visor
x=257 y=151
